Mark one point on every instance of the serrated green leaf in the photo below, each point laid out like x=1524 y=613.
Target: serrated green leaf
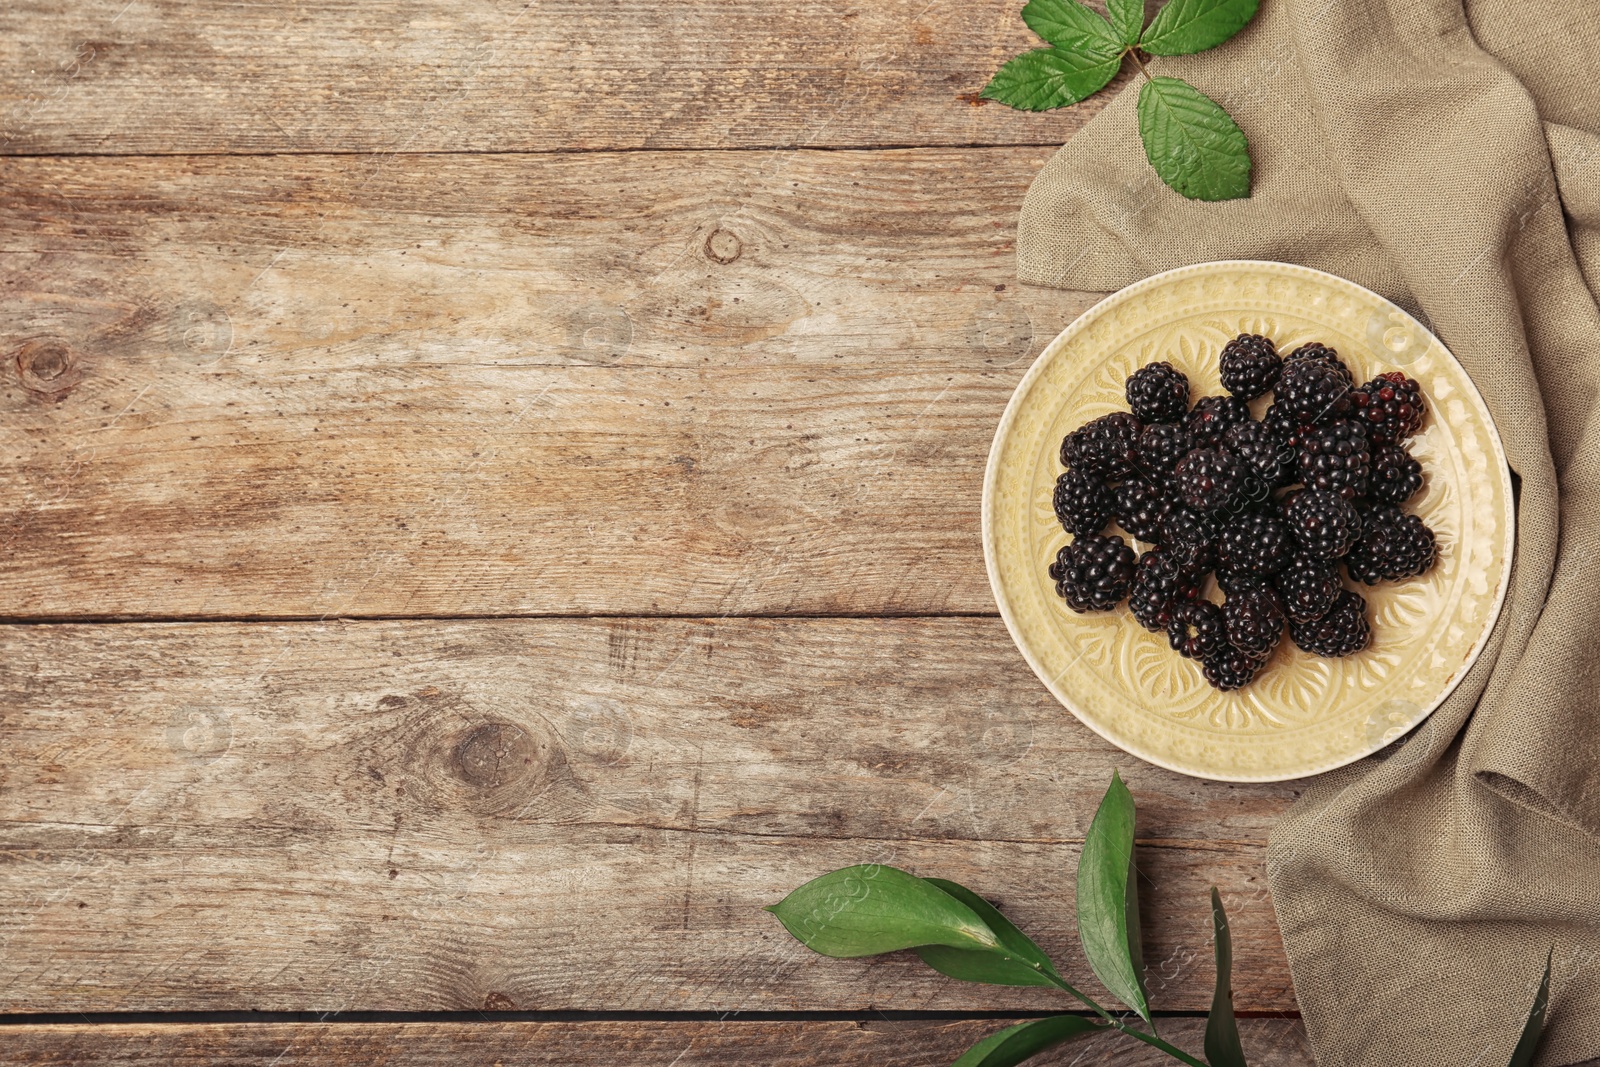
x=1191 y=142
x=1069 y=25
x=1222 y=1029
x=1016 y=1043
x=1127 y=19
x=1528 y=1043
x=1049 y=77
x=869 y=909
x=1108 y=905
x=1018 y=961
x=1187 y=26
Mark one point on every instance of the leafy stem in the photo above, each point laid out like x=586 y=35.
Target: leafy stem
x=1133 y=54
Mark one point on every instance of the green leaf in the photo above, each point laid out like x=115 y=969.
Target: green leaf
x=1069 y=25
x=1191 y=142
x=1016 y=1043
x=1187 y=26
x=1018 y=962
x=1108 y=907
x=1127 y=18
x=1528 y=1043
x=1222 y=1030
x=869 y=908
x=1049 y=77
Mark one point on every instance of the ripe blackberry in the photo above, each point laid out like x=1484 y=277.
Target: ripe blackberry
x=1141 y=509
x=1157 y=392
x=1254 y=543
x=1321 y=353
x=1190 y=537
x=1082 y=503
x=1324 y=524
x=1161 y=446
x=1233 y=581
x=1313 y=391
x=1093 y=573
x=1309 y=585
x=1209 y=478
x=1211 y=416
x=1263 y=451
x=1160 y=584
x=1197 y=629
x=1340 y=632
x=1393 y=545
x=1396 y=477
x=1250 y=366
x=1284 y=424
x=1390 y=407
x=1333 y=456
x=1106 y=447
x=1254 y=619
x=1229 y=669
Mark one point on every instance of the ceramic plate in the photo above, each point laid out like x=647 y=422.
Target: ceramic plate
x=1303 y=715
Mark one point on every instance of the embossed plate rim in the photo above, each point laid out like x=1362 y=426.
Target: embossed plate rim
x=1051 y=352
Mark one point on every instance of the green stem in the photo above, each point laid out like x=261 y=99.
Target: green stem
x=1117 y=1024
x=1134 y=53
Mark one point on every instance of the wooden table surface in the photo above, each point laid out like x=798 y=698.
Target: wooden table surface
x=493 y=496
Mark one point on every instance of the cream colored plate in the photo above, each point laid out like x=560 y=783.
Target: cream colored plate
x=1303 y=715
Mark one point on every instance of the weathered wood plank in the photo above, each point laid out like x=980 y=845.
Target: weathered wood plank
x=508 y=75
x=886 y=1042
x=461 y=385
x=560 y=814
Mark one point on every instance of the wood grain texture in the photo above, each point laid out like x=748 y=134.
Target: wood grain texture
x=508 y=75
x=742 y=383
x=885 y=1043
x=561 y=814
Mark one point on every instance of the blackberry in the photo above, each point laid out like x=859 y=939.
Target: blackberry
x=1263 y=451
x=1324 y=524
x=1160 y=584
x=1197 y=629
x=1161 y=446
x=1254 y=543
x=1396 y=477
x=1309 y=586
x=1233 y=581
x=1250 y=366
x=1393 y=545
x=1322 y=354
x=1333 y=456
x=1191 y=537
x=1211 y=416
x=1158 y=392
x=1209 y=478
x=1340 y=632
x=1284 y=424
x=1390 y=407
x=1141 y=509
x=1313 y=391
x=1254 y=619
x=1107 y=447
x=1230 y=669
x=1093 y=573
x=1082 y=503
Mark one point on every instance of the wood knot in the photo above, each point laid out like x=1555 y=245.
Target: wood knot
x=47 y=365
x=495 y=754
x=499 y=1002
x=724 y=246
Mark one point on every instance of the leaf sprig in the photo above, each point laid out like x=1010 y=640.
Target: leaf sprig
x=1193 y=144
x=871 y=909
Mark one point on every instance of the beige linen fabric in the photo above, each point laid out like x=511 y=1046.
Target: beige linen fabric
x=1447 y=156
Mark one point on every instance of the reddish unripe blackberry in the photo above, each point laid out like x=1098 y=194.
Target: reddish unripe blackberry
x=1157 y=392
x=1250 y=366
x=1160 y=584
x=1197 y=629
x=1393 y=545
x=1341 y=632
x=1093 y=573
x=1190 y=536
x=1141 y=509
x=1263 y=451
x=1108 y=447
x=1313 y=391
x=1308 y=586
x=1390 y=407
x=1082 y=503
x=1229 y=669
x=1333 y=456
x=1209 y=478
x=1322 y=354
x=1211 y=416
x=1395 y=476
x=1161 y=446
x=1254 y=619
x=1323 y=524
x=1254 y=543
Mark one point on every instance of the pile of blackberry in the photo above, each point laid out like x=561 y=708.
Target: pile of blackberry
x=1273 y=508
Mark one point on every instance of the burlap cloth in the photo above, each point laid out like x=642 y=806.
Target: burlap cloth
x=1448 y=159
